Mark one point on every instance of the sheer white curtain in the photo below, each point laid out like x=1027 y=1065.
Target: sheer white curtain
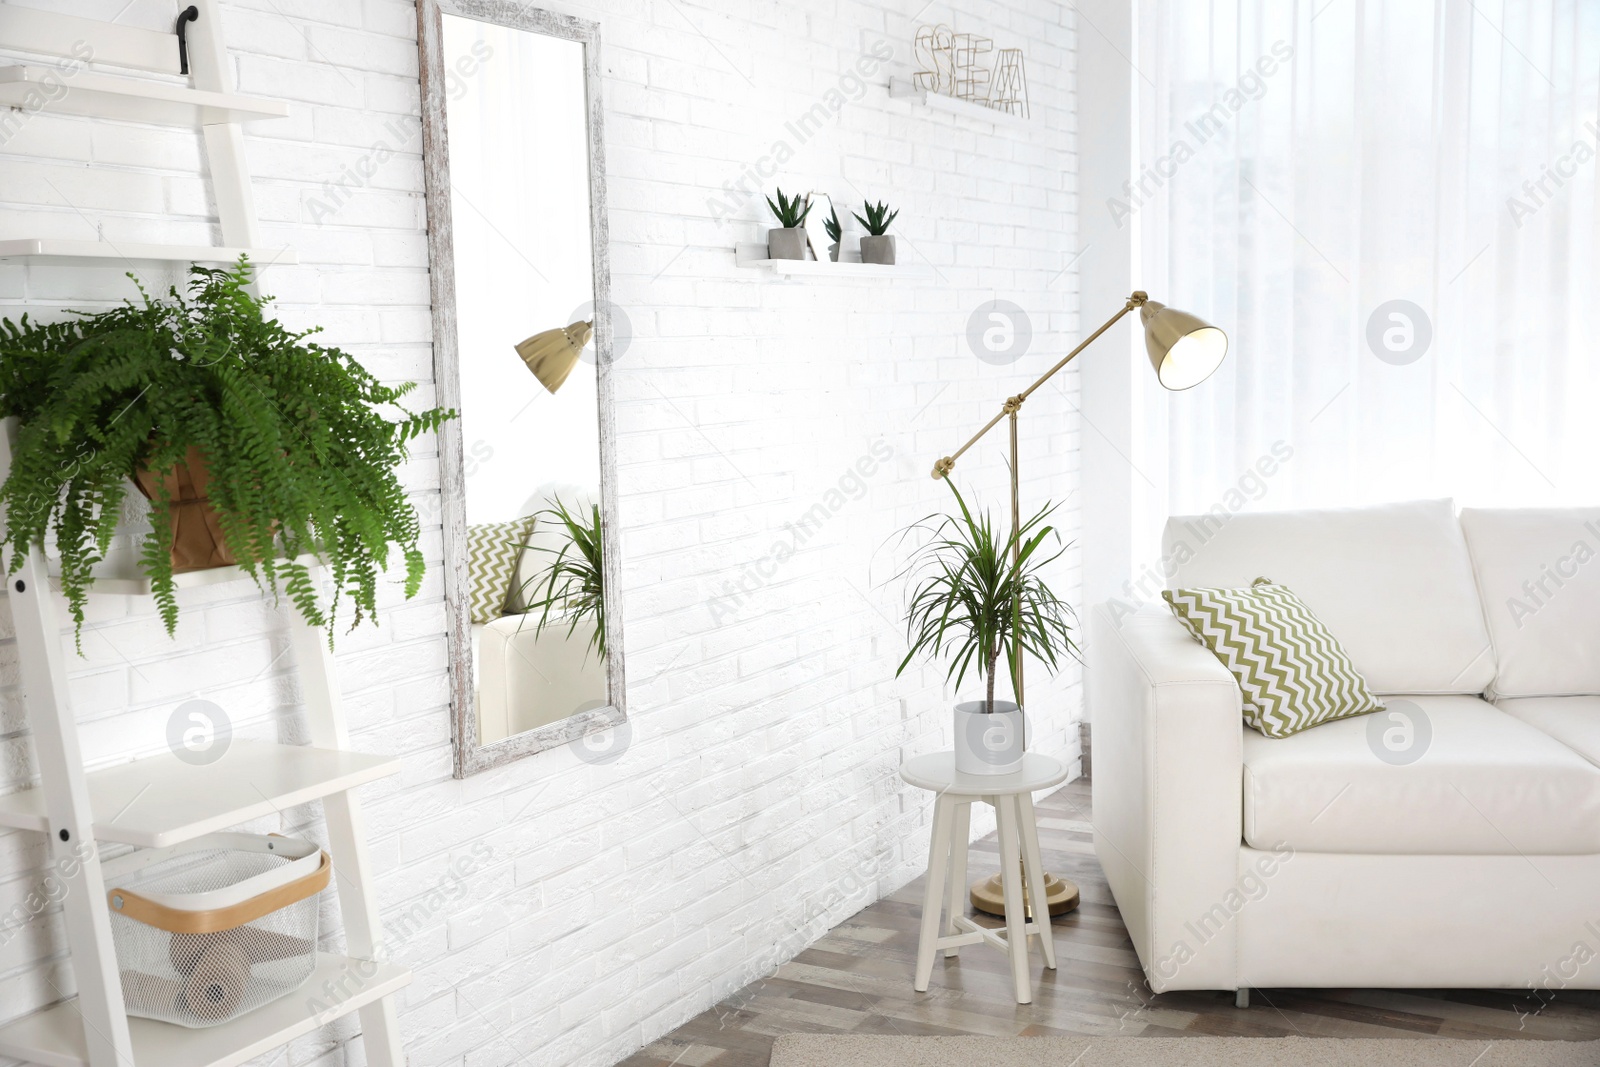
x=1338 y=182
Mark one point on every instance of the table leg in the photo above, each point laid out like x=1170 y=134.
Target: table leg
x=933 y=892
x=1035 y=867
x=1011 y=879
x=956 y=904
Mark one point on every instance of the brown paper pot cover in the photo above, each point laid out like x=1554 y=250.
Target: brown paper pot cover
x=196 y=535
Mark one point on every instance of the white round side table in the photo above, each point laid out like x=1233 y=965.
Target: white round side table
x=1012 y=798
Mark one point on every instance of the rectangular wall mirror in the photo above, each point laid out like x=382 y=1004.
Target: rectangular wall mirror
x=512 y=147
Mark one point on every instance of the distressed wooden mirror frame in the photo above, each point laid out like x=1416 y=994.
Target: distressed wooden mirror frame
x=471 y=756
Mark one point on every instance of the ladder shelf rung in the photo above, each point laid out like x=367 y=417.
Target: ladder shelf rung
x=54 y=1037
x=111 y=253
x=110 y=96
x=168 y=799
x=120 y=575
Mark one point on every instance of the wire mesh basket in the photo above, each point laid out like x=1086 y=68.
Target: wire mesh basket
x=216 y=927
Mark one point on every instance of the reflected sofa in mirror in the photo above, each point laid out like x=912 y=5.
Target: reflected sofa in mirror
x=512 y=149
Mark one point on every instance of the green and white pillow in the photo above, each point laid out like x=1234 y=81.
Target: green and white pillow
x=493 y=549
x=1293 y=673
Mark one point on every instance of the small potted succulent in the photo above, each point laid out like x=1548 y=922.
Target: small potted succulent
x=790 y=241
x=255 y=446
x=877 y=246
x=976 y=598
x=831 y=224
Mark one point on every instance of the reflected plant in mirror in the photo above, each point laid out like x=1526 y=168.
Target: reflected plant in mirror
x=574 y=584
x=831 y=227
x=516 y=198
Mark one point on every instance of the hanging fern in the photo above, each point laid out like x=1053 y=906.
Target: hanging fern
x=302 y=458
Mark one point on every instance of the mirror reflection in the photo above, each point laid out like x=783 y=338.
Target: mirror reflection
x=524 y=299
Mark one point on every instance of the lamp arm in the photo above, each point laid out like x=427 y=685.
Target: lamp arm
x=945 y=465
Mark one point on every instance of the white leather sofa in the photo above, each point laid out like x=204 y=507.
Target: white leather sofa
x=1453 y=842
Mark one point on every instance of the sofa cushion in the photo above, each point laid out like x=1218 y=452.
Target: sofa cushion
x=1430 y=775
x=1574 y=721
x=1392 y=583
x=1538 y=571
x=1292 y=673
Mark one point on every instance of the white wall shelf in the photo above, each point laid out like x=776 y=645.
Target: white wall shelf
x=103 y=253
x=112 y=97
x=55 y=1037
x=903 y=89
x=164 y=800
x=755 y=255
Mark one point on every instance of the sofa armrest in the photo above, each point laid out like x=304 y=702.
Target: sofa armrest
x=1167 y=784
x=528 y=679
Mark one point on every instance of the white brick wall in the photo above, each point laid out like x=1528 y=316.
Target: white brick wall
x=758 y=803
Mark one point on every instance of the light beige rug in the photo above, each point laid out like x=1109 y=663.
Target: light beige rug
x=843 y=1050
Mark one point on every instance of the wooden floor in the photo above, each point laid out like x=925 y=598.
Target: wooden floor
x=857 y=979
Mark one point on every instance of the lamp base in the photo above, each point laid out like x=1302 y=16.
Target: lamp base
x=987 y=895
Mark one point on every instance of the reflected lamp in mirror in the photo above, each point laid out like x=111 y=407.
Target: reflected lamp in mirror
x=551 y=355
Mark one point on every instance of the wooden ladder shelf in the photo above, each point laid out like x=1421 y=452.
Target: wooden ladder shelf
x=163 y=800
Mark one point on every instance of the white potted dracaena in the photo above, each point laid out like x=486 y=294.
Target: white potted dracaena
x=975 y=599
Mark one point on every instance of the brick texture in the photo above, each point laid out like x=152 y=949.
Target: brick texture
x=774 y=435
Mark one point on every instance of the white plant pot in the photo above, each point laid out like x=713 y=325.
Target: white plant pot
x=990 y=744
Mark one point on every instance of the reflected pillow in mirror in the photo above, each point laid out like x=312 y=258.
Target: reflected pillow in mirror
x=493 y=549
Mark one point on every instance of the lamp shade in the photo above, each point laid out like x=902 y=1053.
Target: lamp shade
x=552 y=355
x=1184 y=349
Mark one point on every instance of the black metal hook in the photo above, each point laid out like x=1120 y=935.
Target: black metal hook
x=188 y=15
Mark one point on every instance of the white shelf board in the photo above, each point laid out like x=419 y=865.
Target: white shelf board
x=113 y=97
x=755 y=255
x=902 y=89
x=108 y=253
x=163 y=800
x=54 y=1037
x=119 y=575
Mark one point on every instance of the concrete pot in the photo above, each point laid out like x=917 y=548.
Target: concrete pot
x=787 y=243
x=878 y=249
x=990 y=744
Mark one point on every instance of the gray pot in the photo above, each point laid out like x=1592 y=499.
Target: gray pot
x=833 y=252
x=878 y=249
x=990 y=744
x=787 y=243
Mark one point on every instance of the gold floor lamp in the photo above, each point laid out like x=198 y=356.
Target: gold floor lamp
x=1184 y=350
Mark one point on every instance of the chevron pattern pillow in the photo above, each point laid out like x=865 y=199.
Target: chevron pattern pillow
x=1294 y=675
x=493 y=549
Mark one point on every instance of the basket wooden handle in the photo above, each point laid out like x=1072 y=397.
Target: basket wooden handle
x=141 y=909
